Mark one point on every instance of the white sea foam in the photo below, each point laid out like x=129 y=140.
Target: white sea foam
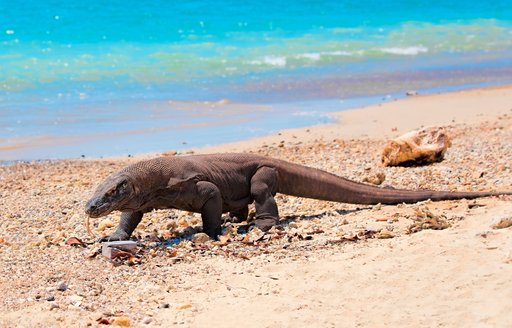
x=338 y=53
x=406 y=51
x=278 y=61
x=311 y=56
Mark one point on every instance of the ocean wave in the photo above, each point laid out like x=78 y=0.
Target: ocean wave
x=406 y=51
x=26 y=64
x=277 y=61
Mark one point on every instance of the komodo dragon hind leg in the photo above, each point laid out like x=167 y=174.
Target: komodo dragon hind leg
x=211 y=208
x=263 y=189
x=128 y=223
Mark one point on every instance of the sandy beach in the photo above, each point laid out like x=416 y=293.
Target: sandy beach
x=331 y=265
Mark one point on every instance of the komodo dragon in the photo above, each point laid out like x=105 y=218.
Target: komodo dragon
x=220 y=183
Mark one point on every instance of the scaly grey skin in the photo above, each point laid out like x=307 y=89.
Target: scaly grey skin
x=220 y=183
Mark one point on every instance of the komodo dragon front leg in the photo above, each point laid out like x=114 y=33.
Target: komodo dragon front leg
x=128 y=223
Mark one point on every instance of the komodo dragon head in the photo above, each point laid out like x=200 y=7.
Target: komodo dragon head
x=115 y=193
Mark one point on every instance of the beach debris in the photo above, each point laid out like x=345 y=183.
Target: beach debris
x=411 y=93
x=502 y=223
x=363 y=234
x=254 y=235
x=113 y=249
x=375 y=179
x=425 y=219
x=73 y=241
x=103 y=321
x=417 y=147
x=475 y=205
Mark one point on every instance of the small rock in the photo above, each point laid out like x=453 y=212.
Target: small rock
x=54 y=306
x=376 y=179
x=122 y=321
x=184 y=306
x=200 y=238
x=164 y=306
x=502 y=223
x=147 y=320
x=107 y=223
x=50 y=298
x=427 y=145
x=62 y=286
x=293 y=225
x=384 y=234
x=76 y=300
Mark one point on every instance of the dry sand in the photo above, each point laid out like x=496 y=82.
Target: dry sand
x=327 y=267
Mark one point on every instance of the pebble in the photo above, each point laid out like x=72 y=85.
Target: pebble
x=62 y=286
x=54 y=306
x=122 y=321
x=164 y=306
x=147 y=320
x=184 y=306
x=502 y=223
x=200 y=238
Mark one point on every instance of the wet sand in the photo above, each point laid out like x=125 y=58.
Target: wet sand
x=330 y=266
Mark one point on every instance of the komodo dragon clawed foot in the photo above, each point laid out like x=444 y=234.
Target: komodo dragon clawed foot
x=265 y=223
x=116 y=236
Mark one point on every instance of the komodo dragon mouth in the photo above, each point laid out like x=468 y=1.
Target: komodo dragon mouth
x=95 y=211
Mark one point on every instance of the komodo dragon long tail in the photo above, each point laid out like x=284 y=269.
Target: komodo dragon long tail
x=301 y=181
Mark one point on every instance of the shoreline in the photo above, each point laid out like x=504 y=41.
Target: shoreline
x=199 y=129
x=370 y=121
x=388 y=119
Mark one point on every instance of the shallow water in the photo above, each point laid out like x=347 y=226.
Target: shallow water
x=101 y=79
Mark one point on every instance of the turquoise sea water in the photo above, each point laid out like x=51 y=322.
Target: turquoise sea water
x=100 y=78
